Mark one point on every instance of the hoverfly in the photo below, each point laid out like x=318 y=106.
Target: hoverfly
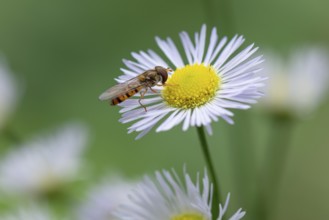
x=140 y=83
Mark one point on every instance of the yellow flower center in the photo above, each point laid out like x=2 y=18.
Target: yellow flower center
x=189 y=216
x=191 y=86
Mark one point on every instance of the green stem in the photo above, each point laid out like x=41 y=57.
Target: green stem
x=211 y=170
x=274 y=164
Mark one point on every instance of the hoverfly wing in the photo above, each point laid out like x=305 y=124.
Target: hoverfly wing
x=113 y=92
x=122 y=91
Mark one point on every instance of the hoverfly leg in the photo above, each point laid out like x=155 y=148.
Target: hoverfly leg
x=140 y=99
x=154 y=91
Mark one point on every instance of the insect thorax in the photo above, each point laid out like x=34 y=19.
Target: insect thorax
x=151 y=78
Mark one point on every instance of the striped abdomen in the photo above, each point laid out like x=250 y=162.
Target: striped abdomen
x=124 y=96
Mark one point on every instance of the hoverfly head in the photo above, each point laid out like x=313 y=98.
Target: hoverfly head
x=163 y=72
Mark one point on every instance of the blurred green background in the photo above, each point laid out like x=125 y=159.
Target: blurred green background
x=65 y=53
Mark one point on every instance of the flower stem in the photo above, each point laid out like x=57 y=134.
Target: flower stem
x=211 y=170
x=274 y=164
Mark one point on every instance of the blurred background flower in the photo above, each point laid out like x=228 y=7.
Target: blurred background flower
x=103 y=200
x=29 y=212
x=44 y=165
x=297 y=84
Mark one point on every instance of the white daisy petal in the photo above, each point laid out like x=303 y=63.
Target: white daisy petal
x=222 y=209
x=149 y=64
x=228 y=50
x=171 y=121
x=242 y=56
x=240 y=83
x=150 y=117
x=187 y=120
x=140 y=113
x=227 y=119
x=148 y=128
x=171 y=51
x=193 y=117
x=219 y=47
x=188 y=46
x=135 y=103
x=238 y=215
x=144 y=123
x=206 y=118
x=201 y=44
x=232 y=104
x=198 y=117
x=243 y=69
x=134 y=66
x=151 y=60
x=218 y=108
x=157 y=58
x=211 y=47
x=128 y=75
x=175 y=52
x=212 y=114
x=196 y=42
x=208 y=129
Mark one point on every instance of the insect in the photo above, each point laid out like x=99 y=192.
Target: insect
x=140 y=83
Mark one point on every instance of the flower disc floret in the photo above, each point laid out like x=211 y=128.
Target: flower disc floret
x=191 y=86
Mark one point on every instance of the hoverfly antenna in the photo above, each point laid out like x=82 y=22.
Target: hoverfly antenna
x=169 y=69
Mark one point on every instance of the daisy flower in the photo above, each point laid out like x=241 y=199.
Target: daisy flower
x=167 y=197
x=8 y=93
x=45 y=164
x=103 y=200
x=211 y=78
x=298 y=85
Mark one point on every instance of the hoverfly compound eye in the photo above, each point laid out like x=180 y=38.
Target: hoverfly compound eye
x=163 y=73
